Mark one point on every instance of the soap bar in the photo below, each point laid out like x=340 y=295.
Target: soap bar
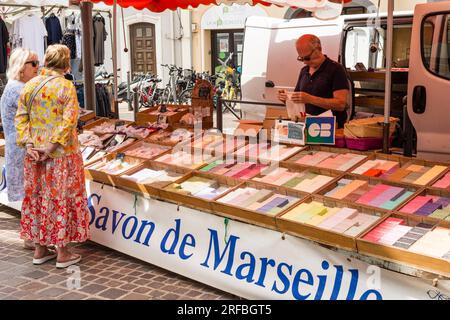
x=430 y=175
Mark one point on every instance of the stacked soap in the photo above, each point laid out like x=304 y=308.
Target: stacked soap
x=116 y=166
x=170 y=137
x=429 y=205
x=267 y=151
x=226 y=145
x=421 y=238
x=444 y=182
x=199 y=187
x=329 y=160
x=145 y=150
x=150 y=176
x=414 y=173
x=260 y=200
x=183 y=159
x=306 y=181
x=244 y=170
x=344 y=220
x=376 y=168
x=207 y=140
x=360 y=191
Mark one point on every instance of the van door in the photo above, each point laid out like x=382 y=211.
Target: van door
x=429 y=80
x=270 y=59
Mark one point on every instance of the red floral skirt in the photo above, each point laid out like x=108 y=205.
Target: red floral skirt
x=54 y=210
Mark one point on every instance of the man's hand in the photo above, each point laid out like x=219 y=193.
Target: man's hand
x=301 y=97
x=282 y=96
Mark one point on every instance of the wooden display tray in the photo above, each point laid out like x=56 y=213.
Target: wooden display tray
x=267 y=160
x=222 y=140
x=254 y=217
x=92 y=125
x=87 y=116
x=399 y=255
x=297 y=156
x=91 y=161
x=142 y=141
x=372 y=181
x=145 y=116
x=194 y=166
x=327 y=237
x=151 y=138
x=336 y=175
x=423 y=192
x=152 y=189
x=2 y=150
x=439 y=178
x=104 y=177
x=192 y=201
x=403 y=160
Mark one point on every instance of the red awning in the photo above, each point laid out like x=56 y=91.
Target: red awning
x=161 y=5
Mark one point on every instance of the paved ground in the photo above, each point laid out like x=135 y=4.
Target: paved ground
x=103 y=274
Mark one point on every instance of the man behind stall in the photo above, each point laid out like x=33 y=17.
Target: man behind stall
x=322 y=84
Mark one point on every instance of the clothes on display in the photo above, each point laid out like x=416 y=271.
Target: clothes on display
x=4 y=39
x=68 y=39
x=29 y=32
x=54 y=31
x=103 y=101
x=100 y=35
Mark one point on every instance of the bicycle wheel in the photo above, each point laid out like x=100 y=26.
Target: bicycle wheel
x=185 y=97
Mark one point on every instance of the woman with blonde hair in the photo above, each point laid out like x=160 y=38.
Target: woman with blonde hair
x=54 y=210
x=23 y=66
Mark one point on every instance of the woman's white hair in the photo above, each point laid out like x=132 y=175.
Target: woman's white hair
x=17 y=62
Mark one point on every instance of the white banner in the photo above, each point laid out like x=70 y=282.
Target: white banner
x=253 y=262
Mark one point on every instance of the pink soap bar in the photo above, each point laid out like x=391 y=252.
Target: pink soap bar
x=373 y=193
x=415 y=204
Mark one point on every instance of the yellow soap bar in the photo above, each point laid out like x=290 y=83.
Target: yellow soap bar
x=414 y=168
x=316 y=220
x=430 y=175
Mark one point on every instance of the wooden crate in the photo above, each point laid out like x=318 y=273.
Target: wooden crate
x=145 y=142
x=423 y=192
x=402 y=162
x=403 y=256
x=335 y=150
x=335 y=175
x=249 y=216
x=152 y=189
x=318 y=234
x=190 y=200
x=153 y=138
x=371 y=181
x=152 y=115
x=91 y=126
x=103 y=177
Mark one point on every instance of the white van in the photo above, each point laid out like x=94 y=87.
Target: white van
x=420 y=41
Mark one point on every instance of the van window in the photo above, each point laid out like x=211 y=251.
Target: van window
x=366 y=45
x=435 y=44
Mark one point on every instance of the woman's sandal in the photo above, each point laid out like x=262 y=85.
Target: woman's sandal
x=50 y=255
x=65 y=264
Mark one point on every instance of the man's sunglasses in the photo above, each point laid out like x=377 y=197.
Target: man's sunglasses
x=34 y=63
x=306 y=58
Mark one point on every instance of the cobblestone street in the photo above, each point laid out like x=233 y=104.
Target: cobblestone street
x=104 y=274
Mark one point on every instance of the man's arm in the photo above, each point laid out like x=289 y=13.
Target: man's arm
x=337 y=103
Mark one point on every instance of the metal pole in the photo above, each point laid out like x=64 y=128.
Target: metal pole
x=130 y=105
x=114 y=52
x=219 y=117
x=388 y=83
x=88 y=55
x=135 y=105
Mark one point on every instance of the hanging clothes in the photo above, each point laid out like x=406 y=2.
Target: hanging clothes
x=102 y=102
x=100 y=35
x=54 y=30
x=4 y=39
x=29 y=32
x=68 y=39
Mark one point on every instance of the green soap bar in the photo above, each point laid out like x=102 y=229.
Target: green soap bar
x=212 y=165
x=390 y=205
x=439 y=214
x=293 y=182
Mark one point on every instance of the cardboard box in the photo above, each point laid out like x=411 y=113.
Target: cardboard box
x=152 y=115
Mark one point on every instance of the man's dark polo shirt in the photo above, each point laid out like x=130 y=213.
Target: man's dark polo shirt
x=328 y=78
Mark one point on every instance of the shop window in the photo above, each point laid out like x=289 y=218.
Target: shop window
x=435 y=44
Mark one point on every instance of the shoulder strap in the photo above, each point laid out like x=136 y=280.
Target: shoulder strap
x=37 y=89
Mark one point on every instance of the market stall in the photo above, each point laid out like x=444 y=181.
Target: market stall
x=262 y=218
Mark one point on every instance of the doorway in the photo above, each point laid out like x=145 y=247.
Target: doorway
x=143 y=51
x=223 y=44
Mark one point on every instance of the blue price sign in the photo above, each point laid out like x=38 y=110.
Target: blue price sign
x=320 y=130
